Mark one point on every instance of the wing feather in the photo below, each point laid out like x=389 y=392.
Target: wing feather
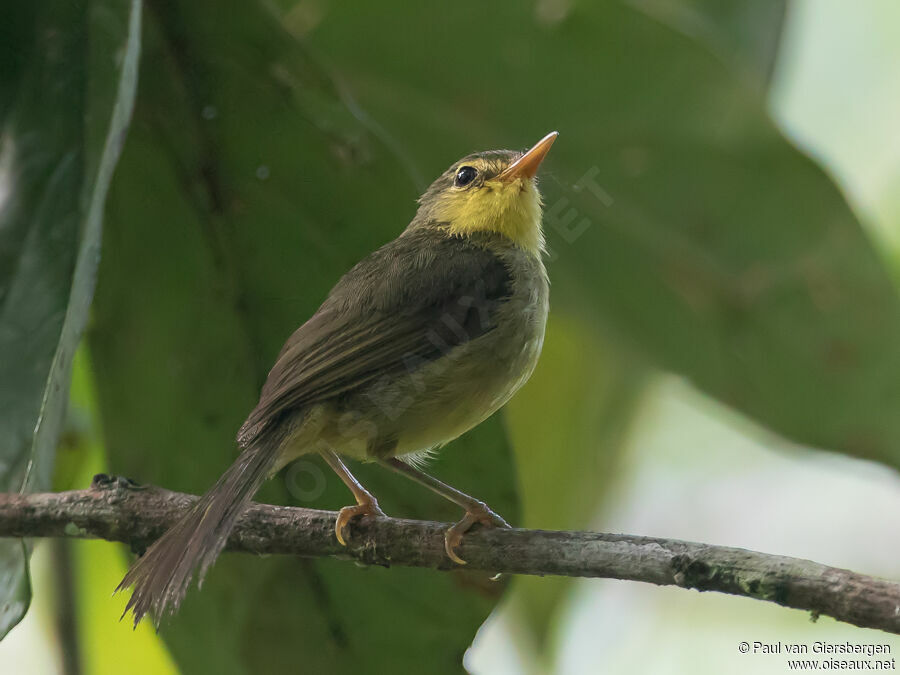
x=412 y=301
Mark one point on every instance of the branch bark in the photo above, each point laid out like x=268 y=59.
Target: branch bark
x=116 y=510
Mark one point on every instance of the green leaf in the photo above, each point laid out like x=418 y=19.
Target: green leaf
x=680 y=219
x=15 y=583
x=54 y=173
x=247 y=187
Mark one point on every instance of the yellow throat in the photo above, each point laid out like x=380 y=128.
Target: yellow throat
x=513 y=209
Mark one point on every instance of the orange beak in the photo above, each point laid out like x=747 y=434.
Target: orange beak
x=527 y=165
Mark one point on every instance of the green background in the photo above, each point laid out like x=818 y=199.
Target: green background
x=274 y=144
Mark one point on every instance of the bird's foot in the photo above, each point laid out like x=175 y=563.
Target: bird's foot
x=365 y=509
x=481 y=515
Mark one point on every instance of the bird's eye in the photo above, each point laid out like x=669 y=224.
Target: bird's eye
x=465 y=175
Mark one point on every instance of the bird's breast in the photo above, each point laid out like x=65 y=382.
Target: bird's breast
x=434 y=402
x=475 y=379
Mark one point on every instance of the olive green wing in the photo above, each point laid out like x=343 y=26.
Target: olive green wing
x=407 y=304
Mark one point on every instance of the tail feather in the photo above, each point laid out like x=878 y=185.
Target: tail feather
x=162 y=575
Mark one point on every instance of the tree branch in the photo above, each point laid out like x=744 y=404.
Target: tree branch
x=117 y=510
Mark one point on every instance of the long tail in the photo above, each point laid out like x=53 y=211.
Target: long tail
x=161 y=576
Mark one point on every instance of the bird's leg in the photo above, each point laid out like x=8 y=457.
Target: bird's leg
x=366 y=504
x=476 y=510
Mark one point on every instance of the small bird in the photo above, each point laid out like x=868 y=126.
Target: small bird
x=418 y=343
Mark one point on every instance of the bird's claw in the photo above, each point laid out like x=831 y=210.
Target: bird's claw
x=348 y=513
x=481 y=516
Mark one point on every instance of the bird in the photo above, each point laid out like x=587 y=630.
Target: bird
x=419 y=342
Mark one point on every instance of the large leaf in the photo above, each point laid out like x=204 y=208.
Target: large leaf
x=681 y=219
x=80 y=58
x=247 y=187
x=570 y=425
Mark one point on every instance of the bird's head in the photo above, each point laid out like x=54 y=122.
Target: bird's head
x=492 y=191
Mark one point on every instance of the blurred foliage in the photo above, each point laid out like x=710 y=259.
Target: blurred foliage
x=745 y=35
x=682 y=221
x=105 y=642
x=569 y=426
x=55 y=170
x=685 y=233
